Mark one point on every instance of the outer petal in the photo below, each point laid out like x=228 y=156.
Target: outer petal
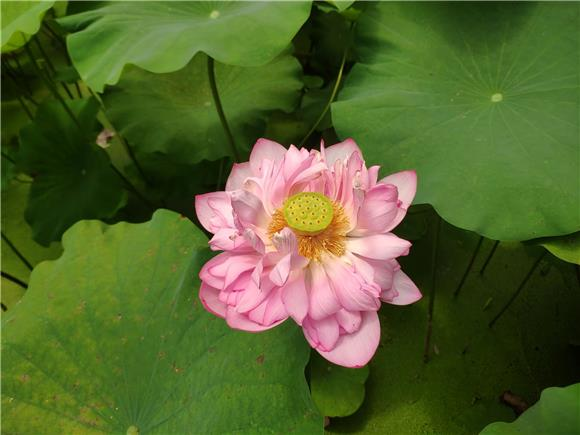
x=321 y=334
x=356 y=349
x=408 y=292
x=209 y=298
x=214 y=211
x=240 y=172
x=265 y=149
x=406 y=182
x=242 y=321
x=339 y=151
x=378 y=246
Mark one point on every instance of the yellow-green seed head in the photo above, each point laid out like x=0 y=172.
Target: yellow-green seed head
x=308 y=212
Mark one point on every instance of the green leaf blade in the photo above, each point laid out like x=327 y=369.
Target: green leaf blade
x=112 y=335
x=162 y=37
x=182 y=103
x=485 y=109
x=73 y=178
x=556 y=413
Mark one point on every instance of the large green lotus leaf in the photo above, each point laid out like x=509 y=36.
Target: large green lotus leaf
x=481 y=99
x=73 y=178
x=337 y=391
x=556 y=413
x=162 y=37
x=111 y=338
x=20 y=20
x=457 y=391
x=19 y=234
x=566 y=248
x=175 y=114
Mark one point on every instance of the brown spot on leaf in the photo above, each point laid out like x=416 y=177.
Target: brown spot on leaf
x=260 y=359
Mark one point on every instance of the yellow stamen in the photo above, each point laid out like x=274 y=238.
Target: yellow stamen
x=315 y=236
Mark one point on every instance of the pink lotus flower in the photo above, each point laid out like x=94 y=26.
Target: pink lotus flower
x=307 y=235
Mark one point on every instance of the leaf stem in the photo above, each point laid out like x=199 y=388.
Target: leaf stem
x=488 y=259
x=7 y=157
x=469 y=266
x=434 y=259
x=518 y=290
x=16 y=251
x=50 y=86
x=14 y=280
x=132 y=188
x=330 y=100
x=219 y=107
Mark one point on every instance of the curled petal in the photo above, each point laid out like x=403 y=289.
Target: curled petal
x=356 y=349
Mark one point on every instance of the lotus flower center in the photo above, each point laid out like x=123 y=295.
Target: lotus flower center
x=308 y=213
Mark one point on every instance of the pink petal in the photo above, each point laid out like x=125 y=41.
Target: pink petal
x=265 y=149
x=242 y=321
x=323 y=301
x=321 y=334
x=356 y=349
x=295 y=296
x=209 y=298
x=340 y=151
x=281 y=270
x=349 y=321
x=214 y=211
x=275 y=309
x=226 y=239
x=254 y=294
x=378 y=246
x=406 y=182
x=349 y=288
x=248 y=209
x=378 y=210
x=408 y=292
x=240 y=172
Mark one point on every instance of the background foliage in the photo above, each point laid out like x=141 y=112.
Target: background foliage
x=123 y=111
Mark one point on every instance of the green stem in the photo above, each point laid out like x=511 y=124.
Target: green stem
x=488 y=259
x=330 y=100
x=16 y=251
x=133 y=188
x=7 y=157
x=434 y=260
x=220 y=109
x=14 y=280
x=469 y=266
x=25 y=108
x=50 y=86
x=518 y=290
